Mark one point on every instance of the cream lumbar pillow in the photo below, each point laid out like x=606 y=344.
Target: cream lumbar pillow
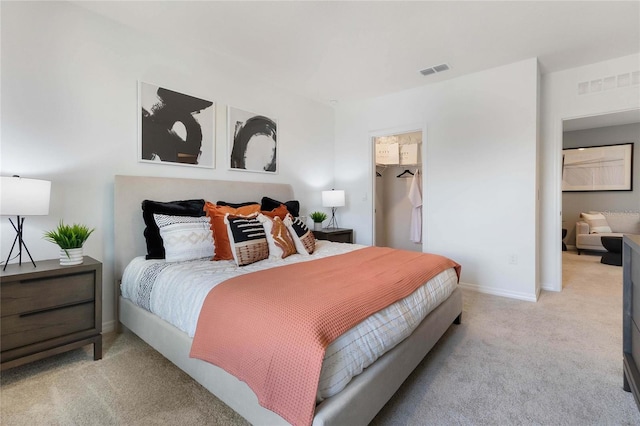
x=597 y=223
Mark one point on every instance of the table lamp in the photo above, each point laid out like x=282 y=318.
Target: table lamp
x=333 y=199
x=23 y=197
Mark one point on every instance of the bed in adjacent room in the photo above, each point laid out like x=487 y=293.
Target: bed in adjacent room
x=340 y=372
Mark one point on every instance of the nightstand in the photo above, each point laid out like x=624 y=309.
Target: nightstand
x=337 y=235
x=49 y=309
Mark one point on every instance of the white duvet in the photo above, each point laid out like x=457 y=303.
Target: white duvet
x=175 y=291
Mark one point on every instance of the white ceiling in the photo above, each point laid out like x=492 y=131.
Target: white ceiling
x=337 y=50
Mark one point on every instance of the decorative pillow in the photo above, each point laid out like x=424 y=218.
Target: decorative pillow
x=293 y=206
x=219 y=228
x=281 y=211
x=302 y=237
x=281 y=244
x=155 y=248
x=236 y=205
x=185 y=237
x=597 y=223
x=247 y=238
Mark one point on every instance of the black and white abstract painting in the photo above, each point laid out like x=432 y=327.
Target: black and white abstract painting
x=175 y=128
x=253 y=141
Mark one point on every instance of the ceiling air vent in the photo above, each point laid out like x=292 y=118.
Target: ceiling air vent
x=434 y=69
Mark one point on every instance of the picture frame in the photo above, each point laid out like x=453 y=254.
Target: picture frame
x=598 y=168
x=252 y=141
x=175 y=128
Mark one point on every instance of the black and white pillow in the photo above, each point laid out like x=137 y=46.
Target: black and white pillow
x=247 y=238
x=155 y=248
x=302 y=236
x=185 y=237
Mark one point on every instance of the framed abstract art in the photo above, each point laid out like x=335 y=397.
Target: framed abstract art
x=253 y=141
x=598 y=168
x=175 y=128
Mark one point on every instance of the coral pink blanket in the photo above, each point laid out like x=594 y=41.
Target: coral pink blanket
x=270 y=328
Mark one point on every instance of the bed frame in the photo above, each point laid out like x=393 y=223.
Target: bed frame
x=361 y=399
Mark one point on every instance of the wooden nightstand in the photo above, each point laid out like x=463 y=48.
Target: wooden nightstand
x=49 y=309
x=337 y=235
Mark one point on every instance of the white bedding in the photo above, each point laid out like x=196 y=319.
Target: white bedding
x=176 y=291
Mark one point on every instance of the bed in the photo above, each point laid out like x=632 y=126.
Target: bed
x=362 y=397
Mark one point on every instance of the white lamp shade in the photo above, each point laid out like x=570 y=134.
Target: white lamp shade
x=24 y=197
x=333 y=198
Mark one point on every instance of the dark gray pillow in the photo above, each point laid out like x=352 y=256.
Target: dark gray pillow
x=269 y=204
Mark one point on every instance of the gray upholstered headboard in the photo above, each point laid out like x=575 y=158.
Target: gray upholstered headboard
x=130 y=191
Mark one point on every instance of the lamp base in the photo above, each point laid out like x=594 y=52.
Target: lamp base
x=18 y=239
x=333 y=223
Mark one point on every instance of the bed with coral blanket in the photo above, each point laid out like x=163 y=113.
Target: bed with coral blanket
x=355 y=401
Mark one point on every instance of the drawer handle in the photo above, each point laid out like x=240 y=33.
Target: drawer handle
x=55 y=308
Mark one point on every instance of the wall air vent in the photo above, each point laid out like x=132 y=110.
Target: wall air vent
x=434 y=69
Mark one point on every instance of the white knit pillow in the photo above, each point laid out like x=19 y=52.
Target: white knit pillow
x=185 y=237
x=597 y=223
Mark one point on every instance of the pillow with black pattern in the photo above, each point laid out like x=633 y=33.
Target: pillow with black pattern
x=155 y=248
x=302 y=236
x=269 y=204
x=247 y=238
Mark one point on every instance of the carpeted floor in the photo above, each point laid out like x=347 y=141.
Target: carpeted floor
x=555 y=362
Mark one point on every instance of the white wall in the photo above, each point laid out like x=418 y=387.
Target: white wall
x=69 y=115
x=560 y=101
x=479 y=171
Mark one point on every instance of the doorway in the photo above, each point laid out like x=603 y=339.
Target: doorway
x=598 y=130
x=397 y=188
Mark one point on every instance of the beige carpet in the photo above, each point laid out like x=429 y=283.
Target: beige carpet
x=555 y=362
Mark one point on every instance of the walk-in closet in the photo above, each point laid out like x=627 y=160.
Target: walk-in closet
x=398 y=190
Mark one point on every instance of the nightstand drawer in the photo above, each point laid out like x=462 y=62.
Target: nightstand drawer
x=337 y=235
x=35 y=295
x=21 y=330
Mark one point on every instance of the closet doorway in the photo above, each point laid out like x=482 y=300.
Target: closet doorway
x=397 y=188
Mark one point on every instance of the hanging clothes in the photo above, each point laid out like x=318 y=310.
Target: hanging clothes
x=415 y=197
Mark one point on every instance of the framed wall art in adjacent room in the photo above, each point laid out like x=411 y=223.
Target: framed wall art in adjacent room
x=175 y=128
x=598 y=168
x=253 y=141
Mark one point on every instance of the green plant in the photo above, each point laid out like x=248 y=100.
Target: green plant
x=318 y=217
x=68 y=236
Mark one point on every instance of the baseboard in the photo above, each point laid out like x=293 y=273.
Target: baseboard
x=500 y=292
x=108 y=326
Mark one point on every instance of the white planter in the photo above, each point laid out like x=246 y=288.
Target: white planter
x=317 y=226
x=71 y=256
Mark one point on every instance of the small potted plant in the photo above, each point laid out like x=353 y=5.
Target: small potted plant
x=70 y=239
x=318 y=218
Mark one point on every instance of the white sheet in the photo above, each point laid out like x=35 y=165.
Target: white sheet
x=176 y=291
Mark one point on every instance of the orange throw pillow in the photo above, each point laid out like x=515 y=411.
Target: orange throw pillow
x=219 y=228
x=280 y=211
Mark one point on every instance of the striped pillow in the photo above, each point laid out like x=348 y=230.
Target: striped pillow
x=247 y=239
x=302 y=237
x=597 y=223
